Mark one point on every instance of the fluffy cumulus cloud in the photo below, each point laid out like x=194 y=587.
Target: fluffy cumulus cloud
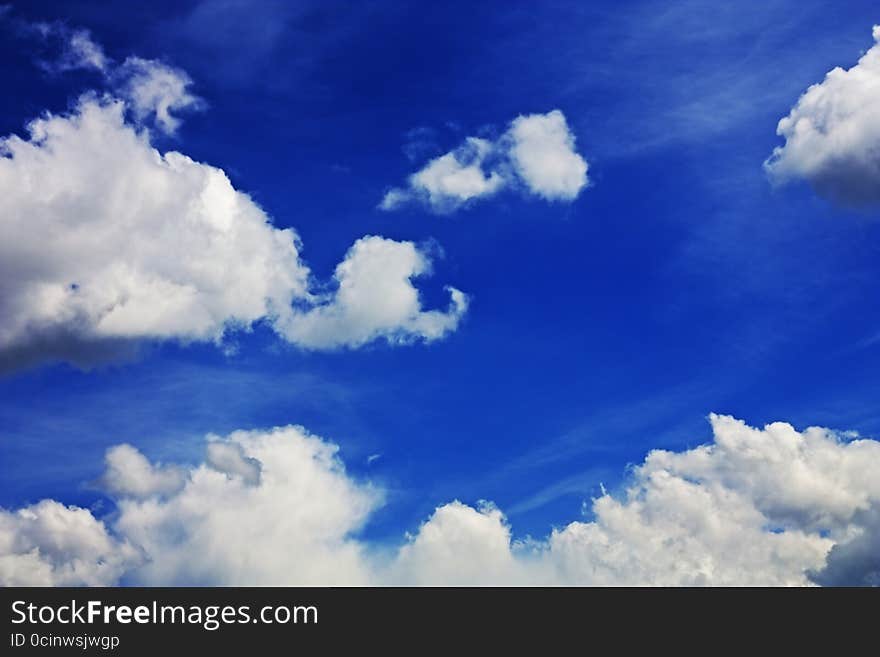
x=103 y=237
x=292 y=526
x=832 y=134
x=153 y=89
x=450 y=180
x=129 y=473
x=855 y=562
x=106 y=241
x=535 y=155
x=542 y=152
x=270 y=507
x=771 y=506
x=229 y=457
x=49 y=544
x=460 y=545
x=375 y=297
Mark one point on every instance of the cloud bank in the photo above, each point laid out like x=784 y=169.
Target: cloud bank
x=536 y=155
x=771 y=506
x=832 y=134
x=105 y=242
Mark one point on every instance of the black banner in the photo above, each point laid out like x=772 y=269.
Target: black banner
x=130 y=621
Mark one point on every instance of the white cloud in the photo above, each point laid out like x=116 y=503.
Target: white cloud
x=855 y=562
x=755 y=507
x=128 y=473
x=105 y=241
x=155 y=90
x=72 y=48
x=543 y=154
x=771 y=506
x=832 y=135
x=82 y=52
x=536 y=155
x=291 y=527
x=375 y=298
x=451 y=180
x=49 y=544
x=460 y=546
x=103 y=237
x=152 y=89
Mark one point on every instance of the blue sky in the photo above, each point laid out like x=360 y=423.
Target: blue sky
x=680 y=281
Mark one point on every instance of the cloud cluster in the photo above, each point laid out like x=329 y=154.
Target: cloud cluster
x=536 y=155
x=832 y=134
x=771 y=506
x=105 y=241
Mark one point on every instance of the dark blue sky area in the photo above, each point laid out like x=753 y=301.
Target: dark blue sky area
x=680 y=283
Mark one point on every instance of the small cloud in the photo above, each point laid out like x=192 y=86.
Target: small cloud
x=536 y=155
x=769 y=506
x=129 y=474
x=155 y=90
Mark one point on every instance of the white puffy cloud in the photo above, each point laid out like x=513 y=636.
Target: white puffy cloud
x=128 y=473
x=462 y=546
x=543 y=154
x=855 y=562
x=293 y=526
x=832 y=134
x=103 y=237
x=771 y=506
x=536 y=155
x=375 y=298
x=451 y=180
x=49 y=544
x=105 y=241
